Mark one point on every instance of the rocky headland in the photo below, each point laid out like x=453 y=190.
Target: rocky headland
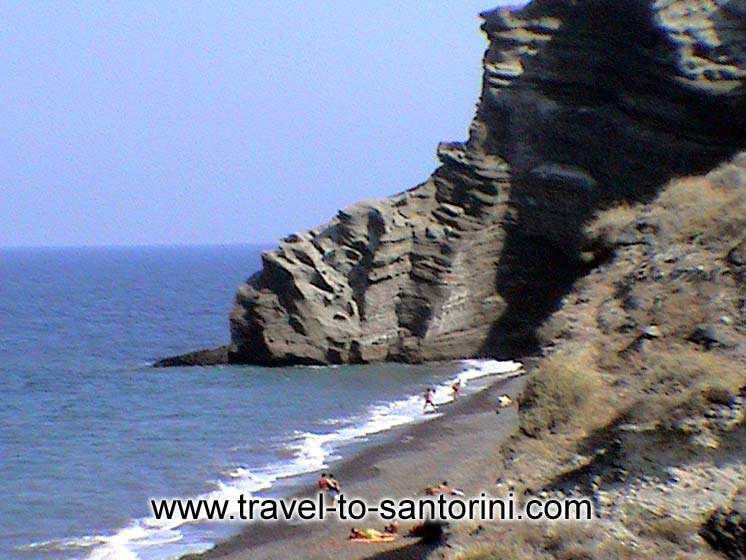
x=585 y=105
x=596 y=219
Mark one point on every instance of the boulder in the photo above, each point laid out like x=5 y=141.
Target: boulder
x=711 y=336
x=725 y=529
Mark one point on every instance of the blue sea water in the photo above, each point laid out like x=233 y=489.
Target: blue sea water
x=89 y=432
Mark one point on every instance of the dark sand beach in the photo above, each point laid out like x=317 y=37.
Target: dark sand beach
x=459 y=446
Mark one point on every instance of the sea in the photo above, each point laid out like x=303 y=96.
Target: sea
x=90 y=432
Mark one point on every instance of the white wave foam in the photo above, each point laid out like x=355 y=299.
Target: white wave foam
x=63 y=544
x=149 y=533
x=311 y=452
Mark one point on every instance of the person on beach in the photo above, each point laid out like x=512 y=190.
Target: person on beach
x=503 y=401
x=429 y=395
x=366 y=534
x=334 y=487
x=456 y=389
x=329 y=485
x=441 y=488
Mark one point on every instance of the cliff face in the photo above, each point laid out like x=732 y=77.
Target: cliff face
x=584 y=104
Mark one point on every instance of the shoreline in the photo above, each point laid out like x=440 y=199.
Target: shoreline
x=459 y=446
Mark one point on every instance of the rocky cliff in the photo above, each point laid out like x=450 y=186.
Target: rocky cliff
x=585 y=104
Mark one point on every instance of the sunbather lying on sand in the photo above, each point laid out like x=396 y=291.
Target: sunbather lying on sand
x=443 y=488
x=370 y=535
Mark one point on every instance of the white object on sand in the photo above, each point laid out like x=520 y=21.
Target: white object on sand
x=504 y=401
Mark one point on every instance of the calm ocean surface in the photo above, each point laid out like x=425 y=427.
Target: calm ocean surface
x=89 y=432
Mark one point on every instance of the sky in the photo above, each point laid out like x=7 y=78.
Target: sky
x=173 y=122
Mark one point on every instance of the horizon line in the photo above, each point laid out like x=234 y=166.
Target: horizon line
x=139 y=245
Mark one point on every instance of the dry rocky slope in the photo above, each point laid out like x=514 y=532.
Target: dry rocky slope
x=639 y=397
x=584 y=105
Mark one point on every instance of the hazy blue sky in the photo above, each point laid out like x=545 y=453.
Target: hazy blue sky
x=219 y=122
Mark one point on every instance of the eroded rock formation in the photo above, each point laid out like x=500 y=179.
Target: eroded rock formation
x=584 y=104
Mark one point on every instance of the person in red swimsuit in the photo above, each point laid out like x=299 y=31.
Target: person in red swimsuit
x=429 y=394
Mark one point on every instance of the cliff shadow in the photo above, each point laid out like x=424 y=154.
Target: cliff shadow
x=533 y=277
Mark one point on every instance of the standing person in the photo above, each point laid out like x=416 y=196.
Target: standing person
x=323 y=482
x=429 y=394
x=456 y=389
x=334 y=487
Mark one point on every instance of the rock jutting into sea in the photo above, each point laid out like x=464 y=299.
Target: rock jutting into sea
x=584 y=105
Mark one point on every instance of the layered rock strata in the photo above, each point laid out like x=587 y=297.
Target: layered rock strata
x=584 y=104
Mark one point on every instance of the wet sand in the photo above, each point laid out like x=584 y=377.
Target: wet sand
x=460 y=446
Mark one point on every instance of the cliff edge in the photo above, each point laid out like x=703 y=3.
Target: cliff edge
x=585 y=105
